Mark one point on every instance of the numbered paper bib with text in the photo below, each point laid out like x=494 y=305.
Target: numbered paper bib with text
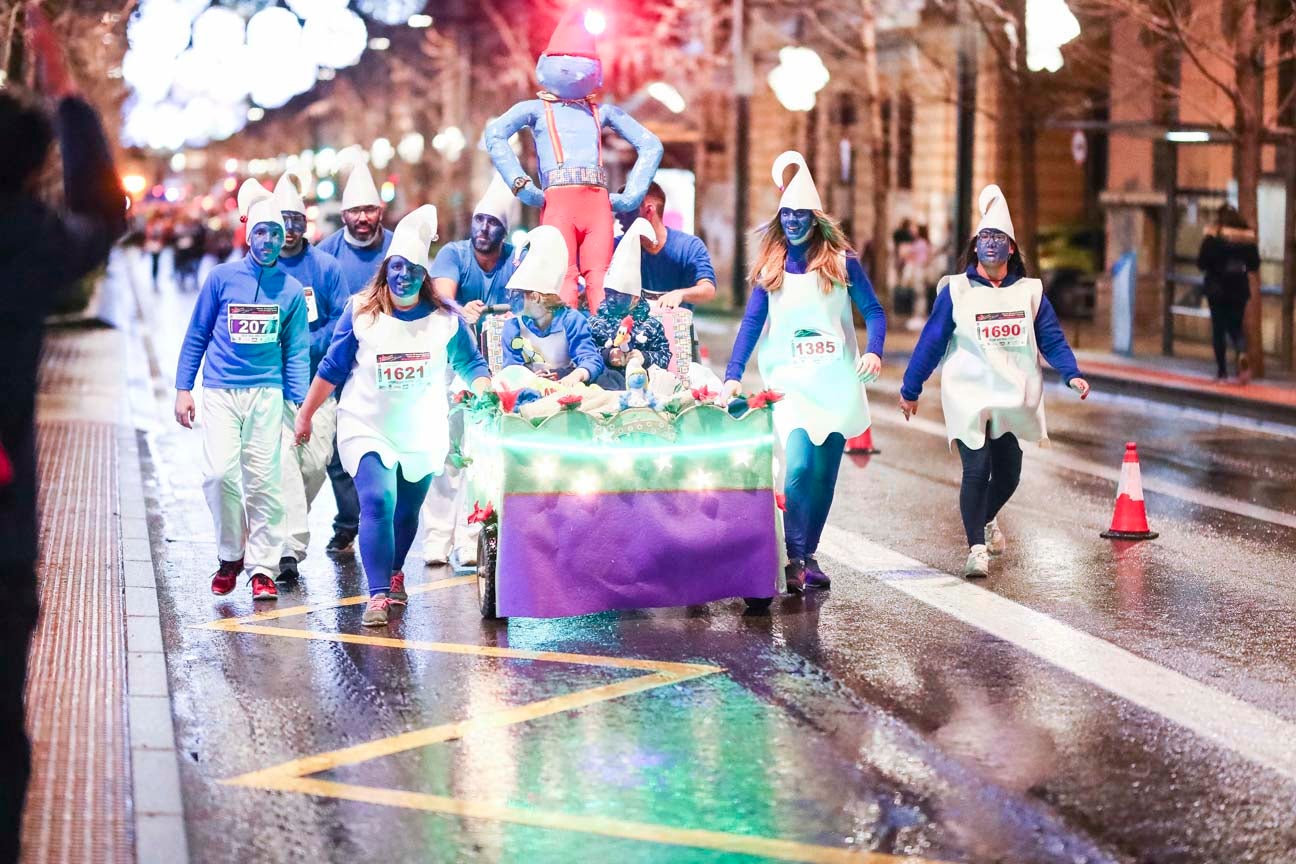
x=312 y=310
x=817 y=349
x=1002 y=329
x=403 y=371
x=254 y=324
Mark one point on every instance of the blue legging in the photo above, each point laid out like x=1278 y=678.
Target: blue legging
x=811 y=481
x=389 y=513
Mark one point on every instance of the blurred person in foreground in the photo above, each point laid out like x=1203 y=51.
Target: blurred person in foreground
x=42 y=254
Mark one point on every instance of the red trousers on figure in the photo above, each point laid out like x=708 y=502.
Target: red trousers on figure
x=584 y=216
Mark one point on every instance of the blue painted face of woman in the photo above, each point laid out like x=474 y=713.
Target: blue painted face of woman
x=993 y=247
x=265 y=243
x=797 y=224
x=404 y=279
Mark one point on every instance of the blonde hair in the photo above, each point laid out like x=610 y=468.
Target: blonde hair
x=376 y=299
x=826 y=255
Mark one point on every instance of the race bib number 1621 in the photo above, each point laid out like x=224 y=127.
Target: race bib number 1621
x=403 y=371
x=1002 y=329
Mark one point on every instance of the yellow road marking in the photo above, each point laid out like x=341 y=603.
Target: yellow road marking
x=688 y=670
x=293 y=611
x=647 y=832
x=294 y=776
x=451 y=731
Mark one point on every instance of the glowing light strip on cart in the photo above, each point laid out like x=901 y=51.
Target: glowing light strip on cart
x=593 y=448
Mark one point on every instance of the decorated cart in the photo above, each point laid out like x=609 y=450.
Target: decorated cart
x=636 y=509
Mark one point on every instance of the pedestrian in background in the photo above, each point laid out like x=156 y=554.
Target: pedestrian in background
x=805 y=280
x=42 y=254
x=997 y=323
x=1227 y=258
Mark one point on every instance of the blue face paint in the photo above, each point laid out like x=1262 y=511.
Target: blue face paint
x=404 y=279
x=797 y=224
x=265 y=243
x=487 y=233
x=993 y=247
x=569 y=77
x=294 y=229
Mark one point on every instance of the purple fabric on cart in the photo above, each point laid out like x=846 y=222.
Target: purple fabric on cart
x=568 y=554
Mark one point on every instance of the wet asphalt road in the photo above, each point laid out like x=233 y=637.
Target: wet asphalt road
x=863 y=718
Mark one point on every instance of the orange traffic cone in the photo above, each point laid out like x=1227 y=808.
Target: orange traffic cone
x=862 y=443
x=1129 y=522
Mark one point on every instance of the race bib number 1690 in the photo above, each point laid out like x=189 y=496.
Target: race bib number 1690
x=1002 y=329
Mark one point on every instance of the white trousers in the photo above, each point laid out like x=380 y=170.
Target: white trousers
x=304 y=470
x=444 y=520
x=242 y=434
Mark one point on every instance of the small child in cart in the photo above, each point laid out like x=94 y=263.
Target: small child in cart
x=623 y=329
x=546 y=337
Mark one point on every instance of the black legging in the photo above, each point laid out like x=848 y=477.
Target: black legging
x=990 y=477
x=1226 y=323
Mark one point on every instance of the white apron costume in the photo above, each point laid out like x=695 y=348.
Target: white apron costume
x=808 y=353
x=992 y=370
x=394 y=402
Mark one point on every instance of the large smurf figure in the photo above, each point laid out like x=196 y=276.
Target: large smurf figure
x=567 y=123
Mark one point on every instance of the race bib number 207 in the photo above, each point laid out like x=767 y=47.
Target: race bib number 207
x=254 y=324
x=1002 y=329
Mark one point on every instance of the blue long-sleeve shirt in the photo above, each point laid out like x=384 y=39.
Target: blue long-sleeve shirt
x=457 y=261
x=580 y=343
x=936 y=335
x=359 y=263
x=340 y=359
x=861 y=294
x=320 y=273
x=229 y=365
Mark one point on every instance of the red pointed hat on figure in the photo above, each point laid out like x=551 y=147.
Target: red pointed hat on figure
x=570 y=38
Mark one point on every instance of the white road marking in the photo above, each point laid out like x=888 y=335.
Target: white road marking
x=1056 y=459
x=1251 y=732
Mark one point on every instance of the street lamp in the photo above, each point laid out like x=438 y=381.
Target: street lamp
x=798 y=78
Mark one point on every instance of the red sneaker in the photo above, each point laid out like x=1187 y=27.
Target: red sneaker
x=263 y=587
x=224 y=579
x=397 y=593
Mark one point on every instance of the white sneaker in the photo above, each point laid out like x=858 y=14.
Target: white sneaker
x=996 y=543
x=978 y=563
x=466 y=555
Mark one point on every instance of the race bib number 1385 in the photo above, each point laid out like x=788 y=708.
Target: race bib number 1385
x=1002 y=329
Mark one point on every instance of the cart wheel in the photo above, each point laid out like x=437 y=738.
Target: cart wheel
x=487 y=548
x=758 y=604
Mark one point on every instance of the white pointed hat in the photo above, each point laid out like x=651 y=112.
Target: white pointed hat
x=545 y=265
x=800 y=192
x=623 y=273
x=290 y=199
x=360 y=190
x=497 y=201
x=994 y=211
x=257 y=204
x=414 y=234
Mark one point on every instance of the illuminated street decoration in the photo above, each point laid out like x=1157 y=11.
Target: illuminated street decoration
x=1049 y=25
x=798 y=78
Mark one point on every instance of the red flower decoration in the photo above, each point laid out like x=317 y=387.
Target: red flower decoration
x=569 y=402
x=763 y=398
x=461 y=396
x=508 y=399
x=705 y=394
x=780 y=501
x=480 y=515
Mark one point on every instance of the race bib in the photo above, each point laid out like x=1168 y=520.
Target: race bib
x=254 y=324
x=312 y=310
x=403 y=371
x=1002 y=329
x=812 y=348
